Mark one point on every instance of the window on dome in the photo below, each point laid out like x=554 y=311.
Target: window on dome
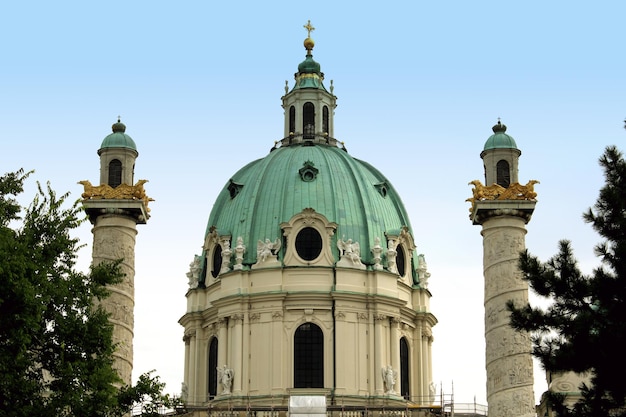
x=212 y=368
x=115 y=173
x=308 y=357
x=217 y=261
x=401 y=260
x=325 y=119
x=405 y=390
x=292 y=119
x=308 y=120
x=309 y=244
x=503 y=174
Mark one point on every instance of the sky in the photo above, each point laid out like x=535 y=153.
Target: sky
x=419 y=86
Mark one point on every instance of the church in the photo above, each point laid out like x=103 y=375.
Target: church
x=309 y=286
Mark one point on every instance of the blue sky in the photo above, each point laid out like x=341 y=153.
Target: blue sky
x=419 y=85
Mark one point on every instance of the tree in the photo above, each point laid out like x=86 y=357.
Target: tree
x=55 y=341
x=584 y=327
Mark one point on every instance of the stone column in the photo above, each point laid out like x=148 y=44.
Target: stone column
x=508 y=352
x=114 y=234
x=237 y=352
x=378 y=353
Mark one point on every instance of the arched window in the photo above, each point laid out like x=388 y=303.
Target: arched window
x=503 y=173
x=292 y=119
x=405 y=389
x=115 y=173
x=308 y=120
x=212 y=368
x=325 y=119
x=308 y=357
x=400 y=260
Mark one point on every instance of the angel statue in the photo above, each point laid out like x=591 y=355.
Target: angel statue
x=389 y=378
x=350 y=250
x=267 y=249
x=225 y=376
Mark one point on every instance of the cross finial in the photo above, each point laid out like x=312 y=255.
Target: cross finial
x=309 y=28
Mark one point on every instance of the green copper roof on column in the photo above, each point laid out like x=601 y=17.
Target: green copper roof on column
x=118 y=139
x=499 y=139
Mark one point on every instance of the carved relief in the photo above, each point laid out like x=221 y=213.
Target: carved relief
x=502 y=245
x=504 y=341
x=236 y=319
x=277 y=315
x=254 y=316
x=340 y=316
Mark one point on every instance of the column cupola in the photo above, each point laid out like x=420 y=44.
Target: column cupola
x=118 y=153
x=309 y=106
x=500 y=157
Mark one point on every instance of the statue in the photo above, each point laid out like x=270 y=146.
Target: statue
x=391 y=256
x=267 y=249
x=377 y=251
x=226 y=253
x=422 y=271
x=184 y=392
x=225 y=376
x=389 y=378
x=121 y=192
x=194 y=272
x=240 y=249
x=432 y=390
x=514 y=191
x=350 y=250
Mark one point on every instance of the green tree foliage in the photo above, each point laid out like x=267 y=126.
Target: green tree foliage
x=55 y=341
x=584 y=327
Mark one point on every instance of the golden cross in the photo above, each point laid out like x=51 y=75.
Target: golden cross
x=309 y=28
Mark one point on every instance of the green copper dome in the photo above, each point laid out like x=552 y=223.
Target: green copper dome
x=271 y=190
x=499 y=139
x=118 y=139
x=309 y=66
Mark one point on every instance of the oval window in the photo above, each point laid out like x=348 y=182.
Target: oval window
x=217 y=261
x=309 y=244
x=400 y=260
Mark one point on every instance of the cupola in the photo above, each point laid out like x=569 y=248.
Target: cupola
x=500 y=157
x=309 y=106
x=118 y=153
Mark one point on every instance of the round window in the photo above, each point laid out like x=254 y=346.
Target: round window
x=400 y=260
x=309 y=244
x=217 y=261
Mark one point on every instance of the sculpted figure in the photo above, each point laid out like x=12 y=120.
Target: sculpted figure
x=225 y=376
x=240 y=249
x=389 y=378
x=267 y=249
x=226 y=253
x=422 y=271
x=194 y=272
x=377 y=251
x=350 y=250
x=391 y=256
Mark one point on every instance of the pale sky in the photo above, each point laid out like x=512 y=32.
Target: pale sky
x=419 y=85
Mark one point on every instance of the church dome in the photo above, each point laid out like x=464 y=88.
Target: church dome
x=347 y=191
x=499 y=139
x=118 y=139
